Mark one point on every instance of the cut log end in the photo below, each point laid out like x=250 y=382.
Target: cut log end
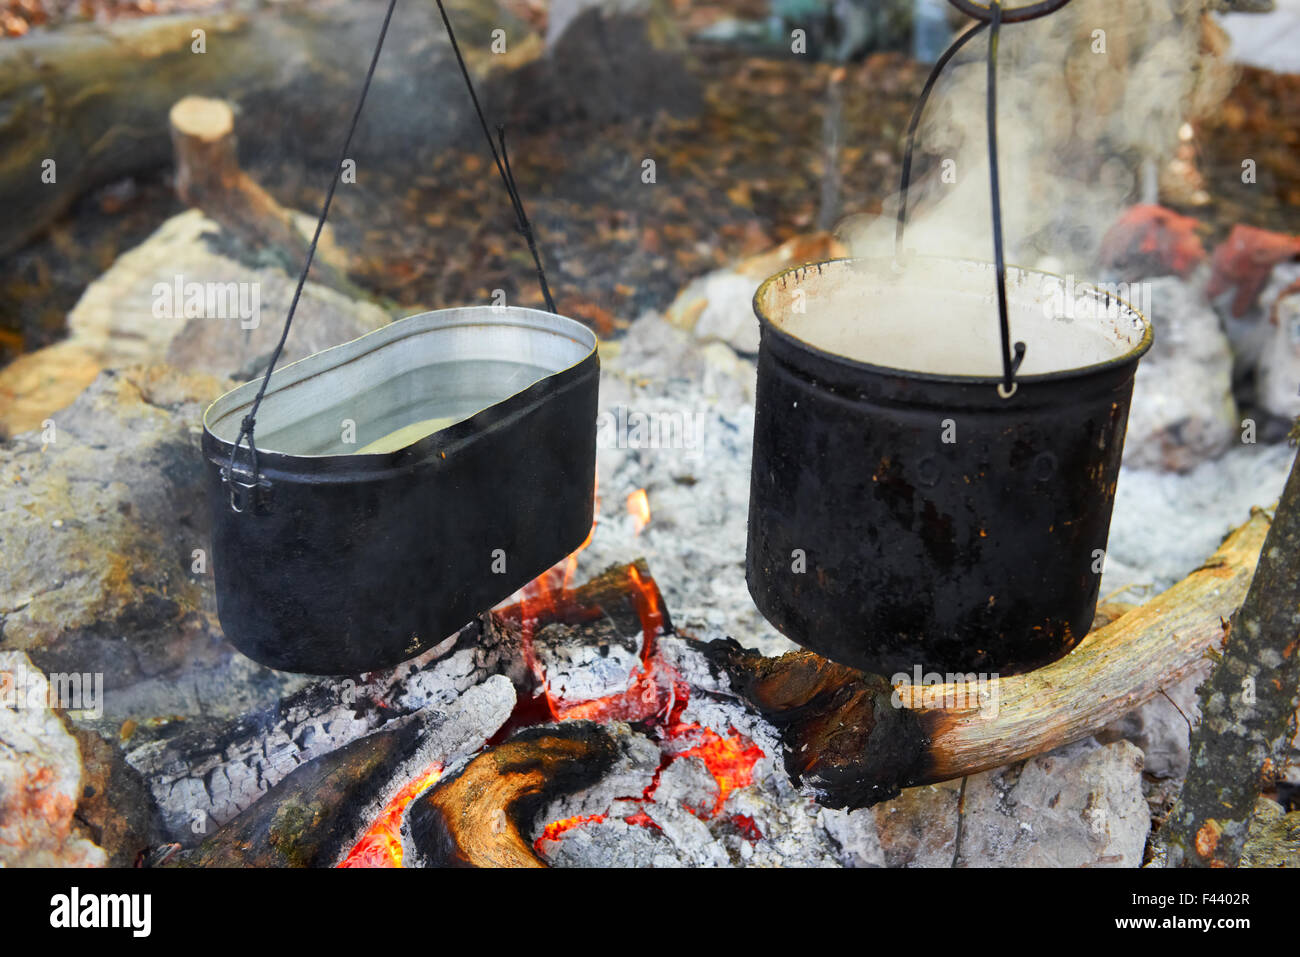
x=481 y=817
x=202 y=118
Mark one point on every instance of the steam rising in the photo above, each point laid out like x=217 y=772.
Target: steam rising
x=1087 y=97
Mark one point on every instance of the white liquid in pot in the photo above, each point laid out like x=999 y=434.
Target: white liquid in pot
x=941 y=317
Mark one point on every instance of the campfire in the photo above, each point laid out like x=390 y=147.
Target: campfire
x=628 y=500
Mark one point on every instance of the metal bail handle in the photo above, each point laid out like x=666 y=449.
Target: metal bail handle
x=992 y=17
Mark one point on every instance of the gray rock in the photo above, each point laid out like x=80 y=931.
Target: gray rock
x=1080 y=805
x=119 y=313
x=40 y=775
x=1278 y=382
x=101 y=529
x=1183 y=411
x=1274 y=837
x=1160 y=728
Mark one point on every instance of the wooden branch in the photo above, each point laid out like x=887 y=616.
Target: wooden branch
x=481 y=817
x=858 y=741
x=1247 y=707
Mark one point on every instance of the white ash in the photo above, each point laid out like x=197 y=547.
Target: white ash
x=212 y=771
x=589 y=669
x=1165 y=524
x=698 y=495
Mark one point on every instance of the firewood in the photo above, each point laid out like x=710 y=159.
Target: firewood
x=481 y=817
x=856 y=740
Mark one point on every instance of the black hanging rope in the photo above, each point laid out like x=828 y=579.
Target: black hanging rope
x=1010 y=362
x=915 y=122
x=991 y=16
x=249 y=421
x=503 y=164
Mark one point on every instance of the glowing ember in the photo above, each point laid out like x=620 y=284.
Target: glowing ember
x=730 y=760
x=746 y=826
x=638 y=506
x=553 y=830
x=655 y=698
x=381 y=845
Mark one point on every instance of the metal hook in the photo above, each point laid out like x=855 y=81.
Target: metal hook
x=245 y=429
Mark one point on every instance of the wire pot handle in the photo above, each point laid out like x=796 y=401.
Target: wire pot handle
x=990 y=17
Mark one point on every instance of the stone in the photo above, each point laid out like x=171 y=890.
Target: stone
x=1278 y=372
x=40 y=775
x=116 y=323
x=718 y=307
x=1274 y=838
x=103 y=526
x=1080 y=805
x=1160 y=728
x=1183 y=411
x=115 y=806
x=38 y=383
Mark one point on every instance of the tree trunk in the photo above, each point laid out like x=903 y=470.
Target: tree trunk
x=1247 y=707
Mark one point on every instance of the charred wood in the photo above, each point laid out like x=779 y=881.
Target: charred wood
x=481 y=817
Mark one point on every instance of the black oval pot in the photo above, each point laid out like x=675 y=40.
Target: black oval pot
x=339 y=562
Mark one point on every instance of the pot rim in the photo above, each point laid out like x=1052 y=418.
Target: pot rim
x=768 y=325
x=386 y=335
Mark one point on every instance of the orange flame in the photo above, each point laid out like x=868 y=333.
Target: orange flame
x=638 y=506
x=553 y=830
x=730 y=760
x=381 y=845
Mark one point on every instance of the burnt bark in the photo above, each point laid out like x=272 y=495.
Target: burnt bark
x=309 y=818
x=1248 y=706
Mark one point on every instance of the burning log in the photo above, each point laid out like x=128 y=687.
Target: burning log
x=481 y=816
x=858 y=740
x=313 y=816
x=218 y=772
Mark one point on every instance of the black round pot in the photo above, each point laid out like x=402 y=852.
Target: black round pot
x=911 y=517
